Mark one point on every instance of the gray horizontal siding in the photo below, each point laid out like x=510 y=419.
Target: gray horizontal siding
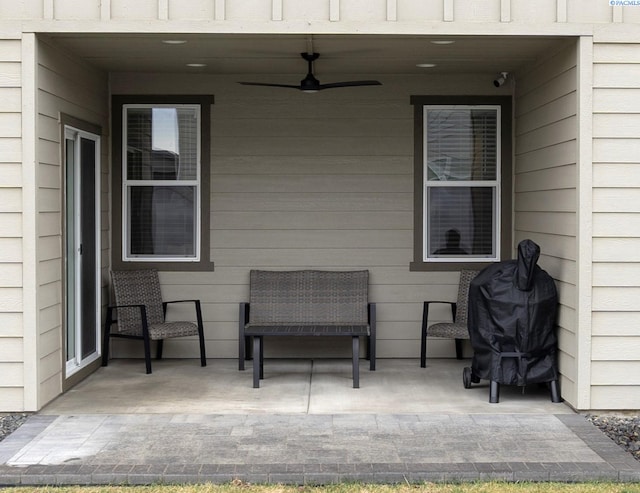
x=546 y=187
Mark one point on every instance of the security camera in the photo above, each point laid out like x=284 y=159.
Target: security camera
x=501 y=79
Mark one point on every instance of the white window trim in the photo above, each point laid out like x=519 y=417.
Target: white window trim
x=127 y=184
x=495 y=184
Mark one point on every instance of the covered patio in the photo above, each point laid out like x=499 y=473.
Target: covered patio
x=296 y=181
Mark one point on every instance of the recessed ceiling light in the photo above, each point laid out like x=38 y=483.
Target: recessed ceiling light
x=425 y=65
x=196 y=64
x=174 y=41
x=443 y=41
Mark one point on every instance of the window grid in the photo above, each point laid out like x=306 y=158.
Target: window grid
x=161 y=200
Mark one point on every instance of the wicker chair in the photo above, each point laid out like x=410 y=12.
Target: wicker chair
x=457 y=328
x=141 y=314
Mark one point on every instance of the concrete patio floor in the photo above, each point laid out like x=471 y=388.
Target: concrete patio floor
x=306 y=424
x=321 y=386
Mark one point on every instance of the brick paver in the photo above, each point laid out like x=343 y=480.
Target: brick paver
x=302 y=449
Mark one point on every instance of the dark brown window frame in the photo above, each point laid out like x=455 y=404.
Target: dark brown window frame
x=506 y=197
x=205 y=102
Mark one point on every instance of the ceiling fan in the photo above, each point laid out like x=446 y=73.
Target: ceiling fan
x=311 y=84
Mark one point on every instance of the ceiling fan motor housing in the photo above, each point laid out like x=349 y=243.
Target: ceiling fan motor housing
x=309 y=83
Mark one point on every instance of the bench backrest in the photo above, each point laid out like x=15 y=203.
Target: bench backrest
x=309 y=297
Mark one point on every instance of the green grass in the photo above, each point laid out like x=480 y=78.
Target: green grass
x=239 y=487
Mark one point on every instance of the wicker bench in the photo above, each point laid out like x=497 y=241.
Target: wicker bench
x=310 y=303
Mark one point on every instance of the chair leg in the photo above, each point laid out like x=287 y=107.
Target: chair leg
x=159 y=347
x=203 y=354
x=147 y=354
x=355 y=353
x=146 y=338
x=257 y=347
x=458 y=348
x=423 y=337
x=105 y=343
x=423 y=349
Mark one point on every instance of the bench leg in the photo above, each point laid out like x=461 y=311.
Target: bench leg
x=257 y=361
x=261 y=358
x=243 y=341
x=355 y=355
x=244 y=350
x=372 y=336
x=372 y=359
x=241 y=351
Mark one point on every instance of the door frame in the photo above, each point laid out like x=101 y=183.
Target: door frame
x=72 y=375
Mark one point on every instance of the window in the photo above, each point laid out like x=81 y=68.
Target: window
x=463 y=171
x=161 y=162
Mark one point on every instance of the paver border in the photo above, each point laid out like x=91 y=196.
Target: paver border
x=617 y=465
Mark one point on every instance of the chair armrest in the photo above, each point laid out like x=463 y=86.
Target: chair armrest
x=125 y=306
x=197 y=306
x=110 y=308
x=425 y=311
x=165 y=303
x=143 y=316
x=425 y=325
x=180 y=301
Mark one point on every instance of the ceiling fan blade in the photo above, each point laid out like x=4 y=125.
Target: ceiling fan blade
x=268 y=85
x=352 y=83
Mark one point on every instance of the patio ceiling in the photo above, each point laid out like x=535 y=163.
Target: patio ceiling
x=280 y=54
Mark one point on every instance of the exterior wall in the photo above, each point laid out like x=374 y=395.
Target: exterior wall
x=616 y=222
x=545 y=199
x=12 y=337
x=310 y=181
x=67 y=86
x=359 y=176
x=521 y=12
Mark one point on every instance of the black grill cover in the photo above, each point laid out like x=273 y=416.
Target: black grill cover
x=512 y=316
